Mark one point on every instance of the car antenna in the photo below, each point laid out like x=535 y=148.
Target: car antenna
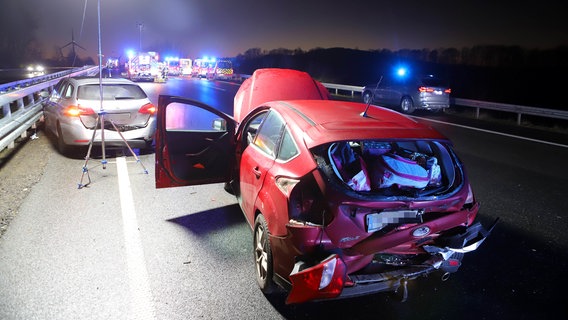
x=364 y=113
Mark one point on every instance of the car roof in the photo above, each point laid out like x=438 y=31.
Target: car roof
x=324 y=121
x=95 y=80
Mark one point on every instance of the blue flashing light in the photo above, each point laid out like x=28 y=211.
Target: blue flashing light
x=401 y=72
x=130 y=54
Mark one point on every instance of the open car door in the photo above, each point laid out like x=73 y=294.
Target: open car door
x=194 y=143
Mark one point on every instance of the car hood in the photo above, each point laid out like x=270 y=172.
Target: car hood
x=275 y=84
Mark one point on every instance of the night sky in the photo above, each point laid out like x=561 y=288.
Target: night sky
x=226 y=28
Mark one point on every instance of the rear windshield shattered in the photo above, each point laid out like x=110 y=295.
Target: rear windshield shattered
x=401 y=168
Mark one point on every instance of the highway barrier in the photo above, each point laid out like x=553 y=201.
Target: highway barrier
x=21 y=105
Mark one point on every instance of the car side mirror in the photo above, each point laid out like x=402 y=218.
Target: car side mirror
x=219 y=125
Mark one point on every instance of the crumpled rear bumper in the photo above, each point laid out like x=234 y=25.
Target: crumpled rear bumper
x=328 y=279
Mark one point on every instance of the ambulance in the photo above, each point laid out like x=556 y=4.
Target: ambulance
x=143 y=66
x=223 y=70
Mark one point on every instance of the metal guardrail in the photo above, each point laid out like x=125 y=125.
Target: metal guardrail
x=21 y=106
x=342 y=89
x=519 y=110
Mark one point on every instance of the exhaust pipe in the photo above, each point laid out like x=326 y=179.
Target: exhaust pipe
x=445 y=276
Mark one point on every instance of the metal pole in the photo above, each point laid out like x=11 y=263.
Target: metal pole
x=140 y=37
x=101 y=109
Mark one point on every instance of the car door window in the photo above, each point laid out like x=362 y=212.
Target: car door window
x=270 y=131
x=68 y=93
x=182 y=118
x=199 y=142
x=251 y=129
x=288 y=148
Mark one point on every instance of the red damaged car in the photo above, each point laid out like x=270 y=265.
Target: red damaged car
x=344 y=199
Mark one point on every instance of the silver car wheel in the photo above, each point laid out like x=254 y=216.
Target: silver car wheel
x=263 y=255
x=406 y=105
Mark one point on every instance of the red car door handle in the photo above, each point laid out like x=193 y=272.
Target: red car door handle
x=256 y=172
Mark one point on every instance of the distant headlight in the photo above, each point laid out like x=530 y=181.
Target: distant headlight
x=37 y=68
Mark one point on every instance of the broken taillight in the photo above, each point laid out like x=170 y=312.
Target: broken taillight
x=286 y=185
x=322 y=281
x=470 y=198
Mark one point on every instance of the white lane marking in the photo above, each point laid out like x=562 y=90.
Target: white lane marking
x=495 y=132
x=141 y=305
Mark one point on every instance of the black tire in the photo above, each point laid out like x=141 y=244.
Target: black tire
x=367 y=97
x=61 y=145
x=263 y=256
x=406 y=105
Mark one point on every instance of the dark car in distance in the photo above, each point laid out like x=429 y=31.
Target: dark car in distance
x=342 y=199
x=409 y=93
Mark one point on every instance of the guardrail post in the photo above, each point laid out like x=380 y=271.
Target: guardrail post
x=477 y=113
x=6 y=111
x=20 y=103
x=519 y=119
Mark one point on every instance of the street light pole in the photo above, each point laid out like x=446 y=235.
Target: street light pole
x=140 y=25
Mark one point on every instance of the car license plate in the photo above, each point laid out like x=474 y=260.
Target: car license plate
x=377 y=221
x=119 y=118
x=438 y=92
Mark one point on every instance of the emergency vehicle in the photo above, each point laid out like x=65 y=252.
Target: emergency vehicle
x=201 y=67
x=143 y=66
x=173 y=66
x=223 y=70
x=185 y=66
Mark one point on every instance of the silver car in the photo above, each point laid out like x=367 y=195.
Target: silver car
x=409 y=93
x=74 y=106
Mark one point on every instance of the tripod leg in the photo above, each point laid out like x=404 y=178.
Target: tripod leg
x=129 y=148
x=103 y=161
x=87 y=157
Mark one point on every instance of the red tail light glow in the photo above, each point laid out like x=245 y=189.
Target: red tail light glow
x=429 y=89
x=426 y=89
x=148 y=109
x=76 y=111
